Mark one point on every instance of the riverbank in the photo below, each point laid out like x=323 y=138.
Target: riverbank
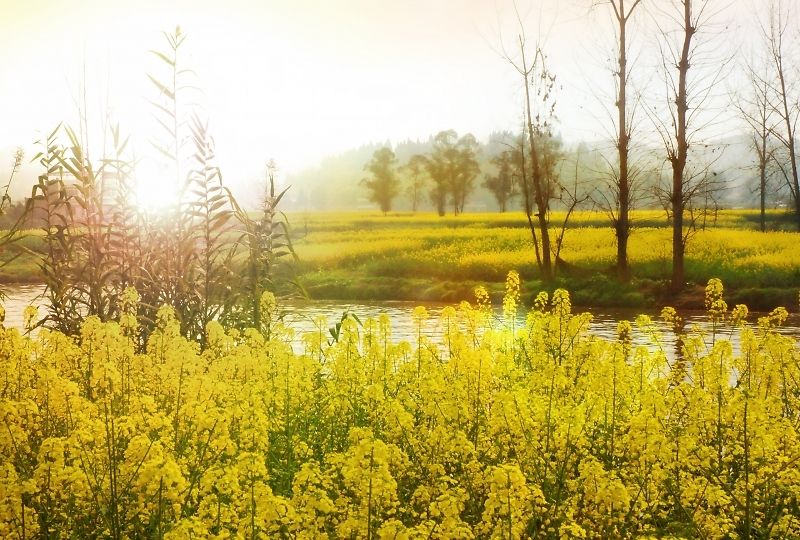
x=366 y=256
x=596 y=291
x=423 y=257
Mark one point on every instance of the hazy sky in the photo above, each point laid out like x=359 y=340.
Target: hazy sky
x=296 y=80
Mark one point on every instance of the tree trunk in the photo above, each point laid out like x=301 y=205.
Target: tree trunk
x=680 y=152
x=527 y=201
x=762 y=169
x=790 y=134
x=677 y=229
x=441 y=200
x=539 y=196
x=623 y=222
x=763 y=205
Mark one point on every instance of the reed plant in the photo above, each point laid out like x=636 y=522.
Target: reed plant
x=9 y=237
x=268 y=243
x=98 y=243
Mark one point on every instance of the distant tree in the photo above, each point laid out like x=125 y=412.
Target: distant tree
x=466 y=169
x=503 y=184
x=755 y=110
x=384 y=184
x=784 y=95
x=439 y=189
x=415 y=173
x=452 y=166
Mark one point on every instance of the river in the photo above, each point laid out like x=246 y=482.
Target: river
x=300 y=316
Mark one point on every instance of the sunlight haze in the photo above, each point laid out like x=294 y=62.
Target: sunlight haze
x=296 y=80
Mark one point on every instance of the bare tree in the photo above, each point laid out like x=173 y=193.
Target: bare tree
x=755 y=110
x=689 y=111
x=622 y=198
x=785 y=101
x=571 y=198
x=539 y=85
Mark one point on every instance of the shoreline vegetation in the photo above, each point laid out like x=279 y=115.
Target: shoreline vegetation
x=427 y=258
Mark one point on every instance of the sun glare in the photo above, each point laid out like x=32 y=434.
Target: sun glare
x=155 y=189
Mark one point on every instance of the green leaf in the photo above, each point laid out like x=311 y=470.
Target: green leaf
x=161 y=87
x=169 y=61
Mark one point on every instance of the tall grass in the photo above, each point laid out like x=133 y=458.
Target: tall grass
x=10 y=237
x=96 y=243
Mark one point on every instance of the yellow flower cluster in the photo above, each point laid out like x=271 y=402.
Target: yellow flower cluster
x=500 y=432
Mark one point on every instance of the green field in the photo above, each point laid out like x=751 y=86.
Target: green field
x=424 y=257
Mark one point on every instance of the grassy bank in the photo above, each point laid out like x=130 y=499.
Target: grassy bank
x=368 y=256
x=19 y=263
x=425 y=257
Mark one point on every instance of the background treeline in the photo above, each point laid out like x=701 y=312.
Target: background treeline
x=335 y=184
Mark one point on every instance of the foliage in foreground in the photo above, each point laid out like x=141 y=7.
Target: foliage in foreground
x=202 y=253
x=497 y=431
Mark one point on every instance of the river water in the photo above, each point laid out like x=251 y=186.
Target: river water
x=301 y=317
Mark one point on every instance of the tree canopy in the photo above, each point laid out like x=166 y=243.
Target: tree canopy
x=383 y=184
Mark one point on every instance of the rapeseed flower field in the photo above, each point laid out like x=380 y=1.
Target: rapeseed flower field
x=424 y=257
x=483 y=247
x=500 y=431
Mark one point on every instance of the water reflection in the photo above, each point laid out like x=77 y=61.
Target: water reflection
x=301 y=316
x=18 y=297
